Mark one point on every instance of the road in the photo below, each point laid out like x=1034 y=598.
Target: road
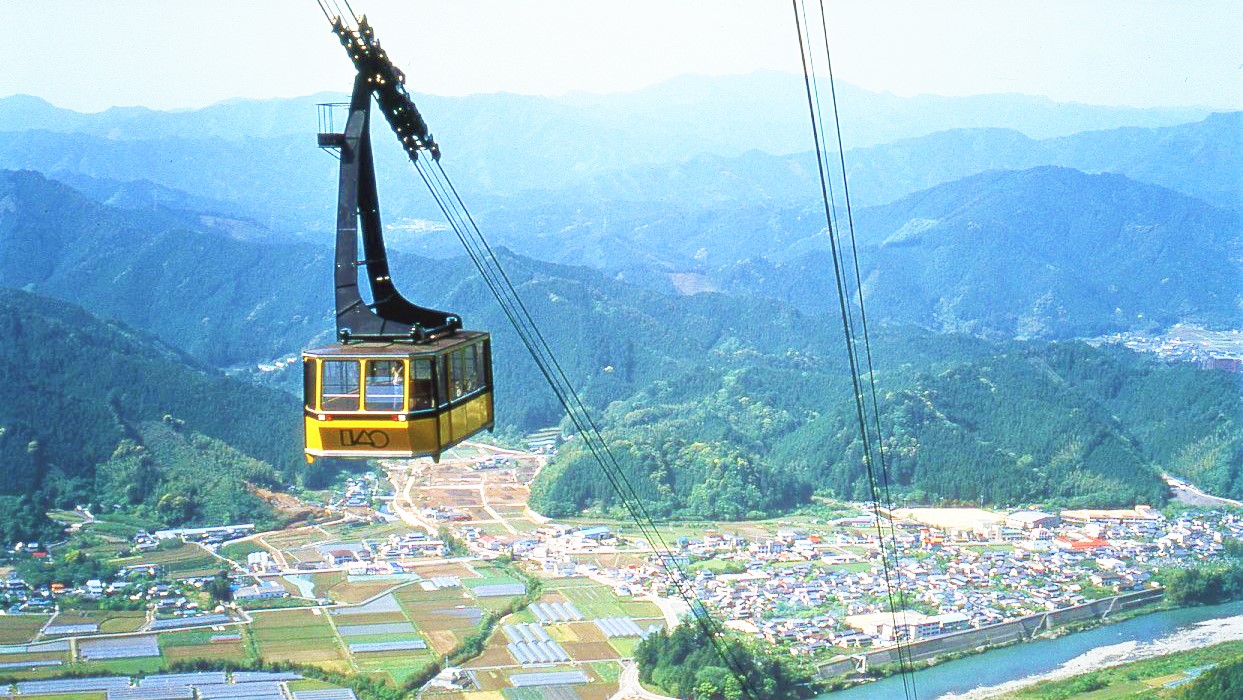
x=629 y=688
x=673 y=610
x=406 y=511
x=1189 y=494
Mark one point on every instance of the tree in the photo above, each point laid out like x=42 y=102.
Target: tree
x=221 y=588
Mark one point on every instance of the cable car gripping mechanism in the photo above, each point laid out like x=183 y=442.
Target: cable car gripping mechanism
x=390 y=316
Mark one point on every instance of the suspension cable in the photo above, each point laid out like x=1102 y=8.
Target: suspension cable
x=515 y=310
x=863 y=318
x=879 y=451
x=840 y=267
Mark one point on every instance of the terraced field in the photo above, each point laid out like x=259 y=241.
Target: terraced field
x=180 y=561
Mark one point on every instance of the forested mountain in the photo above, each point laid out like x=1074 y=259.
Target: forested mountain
x=1046 y=252
x=718 y=405
x=229 y=301
x=964 y=422
x=95 y=412
x=1050 y=252
x=218 y=298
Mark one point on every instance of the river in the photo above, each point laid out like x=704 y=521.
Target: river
x=1009 y=668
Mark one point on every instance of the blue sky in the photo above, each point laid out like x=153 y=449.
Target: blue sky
x=171 y=54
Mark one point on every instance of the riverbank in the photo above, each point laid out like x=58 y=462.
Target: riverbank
x=1166 y=671
x=1022 y=629
x=1006 y=670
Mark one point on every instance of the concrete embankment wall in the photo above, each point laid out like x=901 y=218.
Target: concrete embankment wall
x=1000 y=633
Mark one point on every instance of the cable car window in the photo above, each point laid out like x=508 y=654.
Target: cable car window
x=308 y=383
x=442 y=378
x=385 y=384
x=471 y=363
x=340 y=385
x=422 y=391
x=485 y=364
x=457 y=374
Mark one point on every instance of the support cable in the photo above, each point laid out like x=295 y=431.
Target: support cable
x=836 y=227
x=867 y=343
x=516 y=312
x=840 y=277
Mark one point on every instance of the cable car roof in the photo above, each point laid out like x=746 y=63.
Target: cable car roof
x=397 y=348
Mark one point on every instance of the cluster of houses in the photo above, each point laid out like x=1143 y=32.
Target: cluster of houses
x=962 y=583
x=827 y=589
x=203 y=535
x=359 y=492
x=364 y=557
x=494 y=462
x=1220 y=350
x=132 y=583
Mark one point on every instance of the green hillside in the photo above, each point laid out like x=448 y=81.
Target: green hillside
x=964 y=422
x=97 y=413
x=718 y=406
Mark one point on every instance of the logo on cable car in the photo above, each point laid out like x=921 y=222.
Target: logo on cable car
x=375 y=439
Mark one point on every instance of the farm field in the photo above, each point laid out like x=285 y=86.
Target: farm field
x=446 y=616
x=298 y=636
x=198 y=644
x=494 y=683
x=238 y=551
x=19 y=629
x=354 y=530
x=598 y=601
x=589 y=648
x=109 y=621
x=183 y=560
x=386 y=628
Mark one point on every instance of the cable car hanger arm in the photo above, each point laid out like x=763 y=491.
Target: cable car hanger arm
x=390 y=316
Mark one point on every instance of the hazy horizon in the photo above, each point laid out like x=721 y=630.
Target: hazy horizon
x=571 y=94
x=1121 y=53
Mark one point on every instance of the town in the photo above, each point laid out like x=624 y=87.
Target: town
x=1211 y=349
x=406 y=562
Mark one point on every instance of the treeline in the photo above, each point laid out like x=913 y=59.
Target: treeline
x=750 y=431
x=1205 y=585
x=685 y=664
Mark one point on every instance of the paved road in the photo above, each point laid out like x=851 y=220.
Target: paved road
x=629 y=688
x=1188 y=493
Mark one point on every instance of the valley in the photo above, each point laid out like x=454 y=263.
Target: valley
x=423 y=562
x=725 y=480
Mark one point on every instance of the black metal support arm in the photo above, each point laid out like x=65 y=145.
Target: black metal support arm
x=391 y=316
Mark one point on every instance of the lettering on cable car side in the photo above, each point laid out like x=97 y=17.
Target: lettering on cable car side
x=375 y=439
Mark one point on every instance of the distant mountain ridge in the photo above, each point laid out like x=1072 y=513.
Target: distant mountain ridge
x=259 y=155
x=765 y=110
x=1202 y=159
x=1045 y=252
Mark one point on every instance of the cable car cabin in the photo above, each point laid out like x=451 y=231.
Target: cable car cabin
x=397 y=399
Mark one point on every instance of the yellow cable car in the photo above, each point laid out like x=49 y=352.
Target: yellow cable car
x=402 y=380
x=396 y=399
